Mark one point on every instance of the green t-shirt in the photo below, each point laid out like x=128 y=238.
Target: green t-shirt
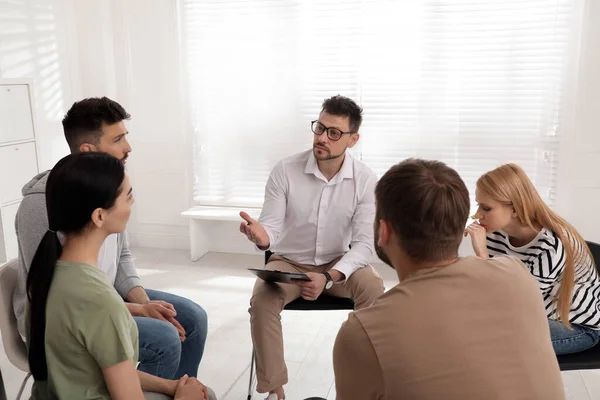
x=88 y=328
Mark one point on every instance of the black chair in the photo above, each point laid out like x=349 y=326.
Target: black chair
x=589 y=359
x=323 y=303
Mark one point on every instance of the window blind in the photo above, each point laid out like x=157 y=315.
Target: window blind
x=472 y=83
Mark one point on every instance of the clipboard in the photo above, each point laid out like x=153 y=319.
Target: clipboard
x=278 y=276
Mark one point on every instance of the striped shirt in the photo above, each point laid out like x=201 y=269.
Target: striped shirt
x=545 y=258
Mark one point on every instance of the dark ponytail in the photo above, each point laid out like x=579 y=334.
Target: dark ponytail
x=38 y=283
x=77 y=185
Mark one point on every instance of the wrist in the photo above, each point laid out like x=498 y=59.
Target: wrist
x=328 y=281
x=138 y=295
x=336 y=275
x=134 y=309
x=482 y=253
x=266 y=242
x=169 y=387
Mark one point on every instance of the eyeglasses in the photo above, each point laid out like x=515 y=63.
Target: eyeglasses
x=332 y=133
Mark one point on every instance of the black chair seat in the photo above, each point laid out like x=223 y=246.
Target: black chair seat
x=589 y=359
x=323 y=303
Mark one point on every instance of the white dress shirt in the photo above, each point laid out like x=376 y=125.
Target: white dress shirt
x=310 y=220
x=107 y=257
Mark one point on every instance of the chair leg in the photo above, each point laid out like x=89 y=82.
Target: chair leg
x=250 y=383
x=23 y=386
x=2 y=391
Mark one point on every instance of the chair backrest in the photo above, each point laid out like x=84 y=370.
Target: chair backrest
x=15 y=348
x=595 y=249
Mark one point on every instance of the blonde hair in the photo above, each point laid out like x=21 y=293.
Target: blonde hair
x=510 y=185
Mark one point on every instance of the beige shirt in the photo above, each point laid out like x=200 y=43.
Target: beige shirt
x=475 y=329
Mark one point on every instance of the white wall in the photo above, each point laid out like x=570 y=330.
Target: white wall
x=37 y=40
x=123 y=49
x=161 y=161
x=578 y=192
x=128 y=51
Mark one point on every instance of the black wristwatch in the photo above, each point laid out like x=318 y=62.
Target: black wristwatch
x=329 y=282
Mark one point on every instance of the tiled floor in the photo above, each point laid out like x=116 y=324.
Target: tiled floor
x=220 y=283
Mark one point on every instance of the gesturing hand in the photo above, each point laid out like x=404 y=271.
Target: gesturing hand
x=254 y=231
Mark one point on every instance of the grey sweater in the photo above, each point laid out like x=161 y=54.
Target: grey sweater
x=31 y=224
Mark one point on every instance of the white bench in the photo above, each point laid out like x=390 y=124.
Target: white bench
x=199 y=230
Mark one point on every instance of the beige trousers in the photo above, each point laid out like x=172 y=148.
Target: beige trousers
x=268 y=300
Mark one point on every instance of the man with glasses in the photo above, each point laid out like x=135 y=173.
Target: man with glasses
x=317 y=218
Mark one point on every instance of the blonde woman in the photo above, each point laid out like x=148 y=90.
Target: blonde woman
x=513 y=220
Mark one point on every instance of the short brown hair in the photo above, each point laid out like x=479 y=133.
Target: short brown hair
x=427 y=205
x=344 y=107
x=84 y=120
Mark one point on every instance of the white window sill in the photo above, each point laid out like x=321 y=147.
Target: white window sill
x=220 y=213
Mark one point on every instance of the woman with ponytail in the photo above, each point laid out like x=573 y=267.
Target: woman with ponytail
x=82 y=341
x=513 y=220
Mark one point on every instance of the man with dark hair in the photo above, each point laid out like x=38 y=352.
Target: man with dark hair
x=91 y=120
x=172 y=329
x=317 y=219
x=453 y=328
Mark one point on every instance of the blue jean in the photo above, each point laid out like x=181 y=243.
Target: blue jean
x=567 y=341
x=161 y=351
